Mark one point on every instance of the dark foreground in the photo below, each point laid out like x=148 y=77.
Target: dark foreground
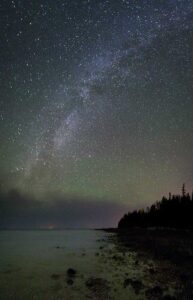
x=137 y=264
x=167 y=257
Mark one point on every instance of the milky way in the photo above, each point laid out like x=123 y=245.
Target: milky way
x=97 y=98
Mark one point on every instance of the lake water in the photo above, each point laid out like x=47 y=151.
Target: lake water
x=34 y=265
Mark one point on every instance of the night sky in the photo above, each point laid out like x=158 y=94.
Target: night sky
x=96 y=107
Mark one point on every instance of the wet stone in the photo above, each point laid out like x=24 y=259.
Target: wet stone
x=137 y=285
x=70 y=281
x=117 y=258
x=99 y=287
x=136 y=262
x=154 y=293
x=71 y=272
x=169 y=297
x=127 y=282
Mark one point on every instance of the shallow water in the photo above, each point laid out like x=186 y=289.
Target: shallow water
x=34 y=264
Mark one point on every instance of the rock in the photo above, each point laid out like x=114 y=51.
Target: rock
x=99 y=287
x=70 y=281
x=154 y=292
x=137 y=285
x=152 y=271
x=118 y=258
x=96 y=282
x=136 y=262
x=168 y=297
x=127 y=282
x=71 y=272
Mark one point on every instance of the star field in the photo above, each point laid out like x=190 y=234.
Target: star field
x=96 y=98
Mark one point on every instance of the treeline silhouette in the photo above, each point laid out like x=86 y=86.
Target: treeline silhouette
x=176 y=211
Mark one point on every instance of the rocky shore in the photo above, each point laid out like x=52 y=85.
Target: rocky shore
x=167 y=258
x=137 y=264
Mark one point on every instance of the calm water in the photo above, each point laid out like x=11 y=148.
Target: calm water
x=28 y=260
x=34 y=264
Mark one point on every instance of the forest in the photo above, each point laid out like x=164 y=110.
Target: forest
x=174 y=211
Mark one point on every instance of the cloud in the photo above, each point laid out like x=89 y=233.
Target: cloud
x=21 y=211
